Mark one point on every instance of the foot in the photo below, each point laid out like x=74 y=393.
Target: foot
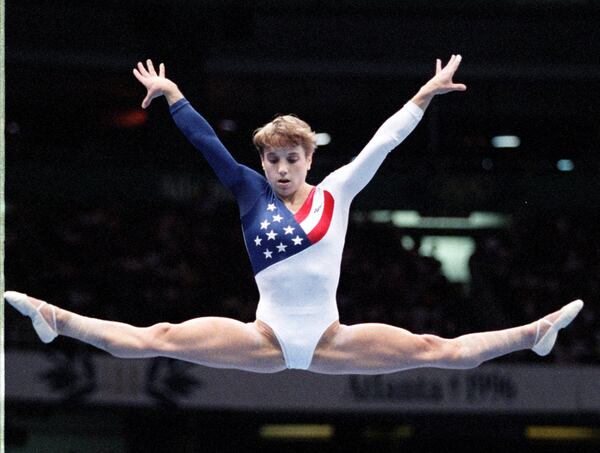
x=42 y=314
x=547 y=328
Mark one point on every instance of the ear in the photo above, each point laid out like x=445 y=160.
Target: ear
x=309 y=160
x=262 y=161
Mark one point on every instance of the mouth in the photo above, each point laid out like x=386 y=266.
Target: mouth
x=283 y=182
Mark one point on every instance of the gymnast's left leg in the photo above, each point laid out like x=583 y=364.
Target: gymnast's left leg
x=380 y=348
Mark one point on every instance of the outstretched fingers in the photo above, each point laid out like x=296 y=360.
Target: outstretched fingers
x=142 y=72
x=456 y=63
x=459 y=87
x=138 y=75
x=147 y=76
x=151 y=69
x=142 y=69
x=453 y=64
x=446 y=73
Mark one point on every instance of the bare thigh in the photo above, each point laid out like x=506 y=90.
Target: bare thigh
x=377 y=348
x=220 y=343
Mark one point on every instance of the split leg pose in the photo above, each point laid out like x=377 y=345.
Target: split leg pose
x=294 y=234
x=227 y=343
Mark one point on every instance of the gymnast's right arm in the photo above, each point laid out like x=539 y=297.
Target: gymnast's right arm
x=241 y=180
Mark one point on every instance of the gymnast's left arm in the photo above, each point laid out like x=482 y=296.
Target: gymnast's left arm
x=395 y=129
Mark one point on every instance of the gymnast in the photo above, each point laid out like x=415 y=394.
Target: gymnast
x=294 y=233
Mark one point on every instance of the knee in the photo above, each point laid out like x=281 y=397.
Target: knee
x=141 y=343
x=157 y=338
x=459 y=357
x=443 y=352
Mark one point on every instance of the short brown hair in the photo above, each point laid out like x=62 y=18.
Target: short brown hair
x=285 y=131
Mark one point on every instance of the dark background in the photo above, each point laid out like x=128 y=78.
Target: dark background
x=79 y=146
x=531 y=67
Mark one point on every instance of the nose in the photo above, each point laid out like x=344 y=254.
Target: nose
x=282 y=169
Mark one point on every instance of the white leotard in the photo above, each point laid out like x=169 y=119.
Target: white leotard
x=296 y=257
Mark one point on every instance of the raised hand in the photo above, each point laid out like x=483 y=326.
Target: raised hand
x=442 y=82
x=156 y=84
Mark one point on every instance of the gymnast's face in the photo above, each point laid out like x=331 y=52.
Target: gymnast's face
x=286 y=169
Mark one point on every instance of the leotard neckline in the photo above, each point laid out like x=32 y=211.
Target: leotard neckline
x=304 y=209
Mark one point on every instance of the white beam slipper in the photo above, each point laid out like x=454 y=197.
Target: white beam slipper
x=542 y=346
x=20 y=301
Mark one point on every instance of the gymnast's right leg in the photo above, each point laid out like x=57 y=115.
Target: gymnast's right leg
x=210 y=341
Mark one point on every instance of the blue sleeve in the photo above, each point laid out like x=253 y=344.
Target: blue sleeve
x=245 y=183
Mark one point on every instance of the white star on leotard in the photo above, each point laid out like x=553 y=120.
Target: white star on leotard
x=268 y=253
x=277 y=218
x=271 y=207
x=257 y=241
x=289 y=229
x=281 y=247
x=297 y=240
x=271 y=235
x=264 y=224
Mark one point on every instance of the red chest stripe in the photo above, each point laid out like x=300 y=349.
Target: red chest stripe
x=305 y=209
x=317 y=233
x=315 y=215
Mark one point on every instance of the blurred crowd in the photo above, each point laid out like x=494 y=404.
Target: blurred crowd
x=171 y=262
